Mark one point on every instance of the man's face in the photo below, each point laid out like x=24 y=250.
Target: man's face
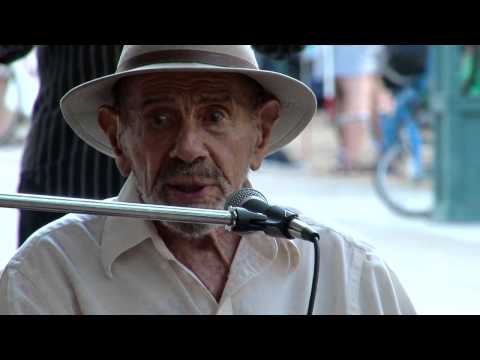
x=190 y=138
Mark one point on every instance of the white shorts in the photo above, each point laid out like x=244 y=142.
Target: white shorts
x=356 y=60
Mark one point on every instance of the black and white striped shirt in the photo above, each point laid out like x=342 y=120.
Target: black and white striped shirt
x=56 y=159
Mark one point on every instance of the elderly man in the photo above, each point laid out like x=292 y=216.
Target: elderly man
x=186 y=123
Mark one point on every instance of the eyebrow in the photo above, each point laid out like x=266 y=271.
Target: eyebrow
x=162 y=99
x=201 y=99
x=208 y=98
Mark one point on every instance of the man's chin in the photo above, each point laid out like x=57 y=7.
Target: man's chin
x=192 y=230
x=189 y=230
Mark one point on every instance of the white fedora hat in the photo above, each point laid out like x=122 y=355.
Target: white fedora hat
x=79 y=106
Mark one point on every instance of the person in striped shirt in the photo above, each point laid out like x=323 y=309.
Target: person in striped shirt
x=55 y=160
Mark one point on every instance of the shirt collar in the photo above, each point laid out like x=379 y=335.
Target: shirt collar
x=292 y=252
x=268 y=247
x=256 y=253
x=123 y=233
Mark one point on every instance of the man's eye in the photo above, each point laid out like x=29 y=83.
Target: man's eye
x=159 y=120
x=216 y=117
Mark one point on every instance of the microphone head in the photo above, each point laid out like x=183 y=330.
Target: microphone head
x=240 y=197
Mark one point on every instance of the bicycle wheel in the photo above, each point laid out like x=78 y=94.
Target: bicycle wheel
x=401 y=186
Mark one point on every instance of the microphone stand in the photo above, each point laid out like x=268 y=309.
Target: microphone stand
x=232 y=218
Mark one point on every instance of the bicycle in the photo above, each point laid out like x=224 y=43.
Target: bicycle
x=17 y=100
x=404 y=170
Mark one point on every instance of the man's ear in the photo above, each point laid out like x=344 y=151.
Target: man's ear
x=109 y=121
x=267 y=115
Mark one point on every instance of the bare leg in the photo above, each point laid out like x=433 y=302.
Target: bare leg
x=354 y=110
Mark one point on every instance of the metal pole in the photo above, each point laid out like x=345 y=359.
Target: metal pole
x=114 y=208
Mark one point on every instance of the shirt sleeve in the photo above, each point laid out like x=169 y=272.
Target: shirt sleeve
x=20 y=296
x=380 y=291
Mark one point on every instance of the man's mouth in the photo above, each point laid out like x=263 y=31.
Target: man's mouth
x=188 y=192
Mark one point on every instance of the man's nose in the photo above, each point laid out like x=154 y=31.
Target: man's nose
x=189 y=145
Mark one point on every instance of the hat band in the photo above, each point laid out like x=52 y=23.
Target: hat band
x=185 y=56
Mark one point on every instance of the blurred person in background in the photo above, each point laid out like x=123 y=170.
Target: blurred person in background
x=359 y=95
x=284 y=59
x=5 y=74
x=348 y=83
x=18 y=90
x=55 y=161
x=405 y=73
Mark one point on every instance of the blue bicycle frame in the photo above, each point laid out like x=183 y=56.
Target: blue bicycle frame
x=403 y=117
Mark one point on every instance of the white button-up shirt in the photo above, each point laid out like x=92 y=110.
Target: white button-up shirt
x=90 y=264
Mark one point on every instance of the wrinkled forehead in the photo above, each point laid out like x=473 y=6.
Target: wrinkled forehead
x=238 y=87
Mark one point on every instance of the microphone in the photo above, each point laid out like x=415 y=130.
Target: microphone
x=280 y=222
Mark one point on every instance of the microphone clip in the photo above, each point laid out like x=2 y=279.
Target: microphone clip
x=278 y=222
x=245 y=221
x=275 y=222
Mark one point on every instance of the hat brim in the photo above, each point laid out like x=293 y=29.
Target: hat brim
x=79 y=106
